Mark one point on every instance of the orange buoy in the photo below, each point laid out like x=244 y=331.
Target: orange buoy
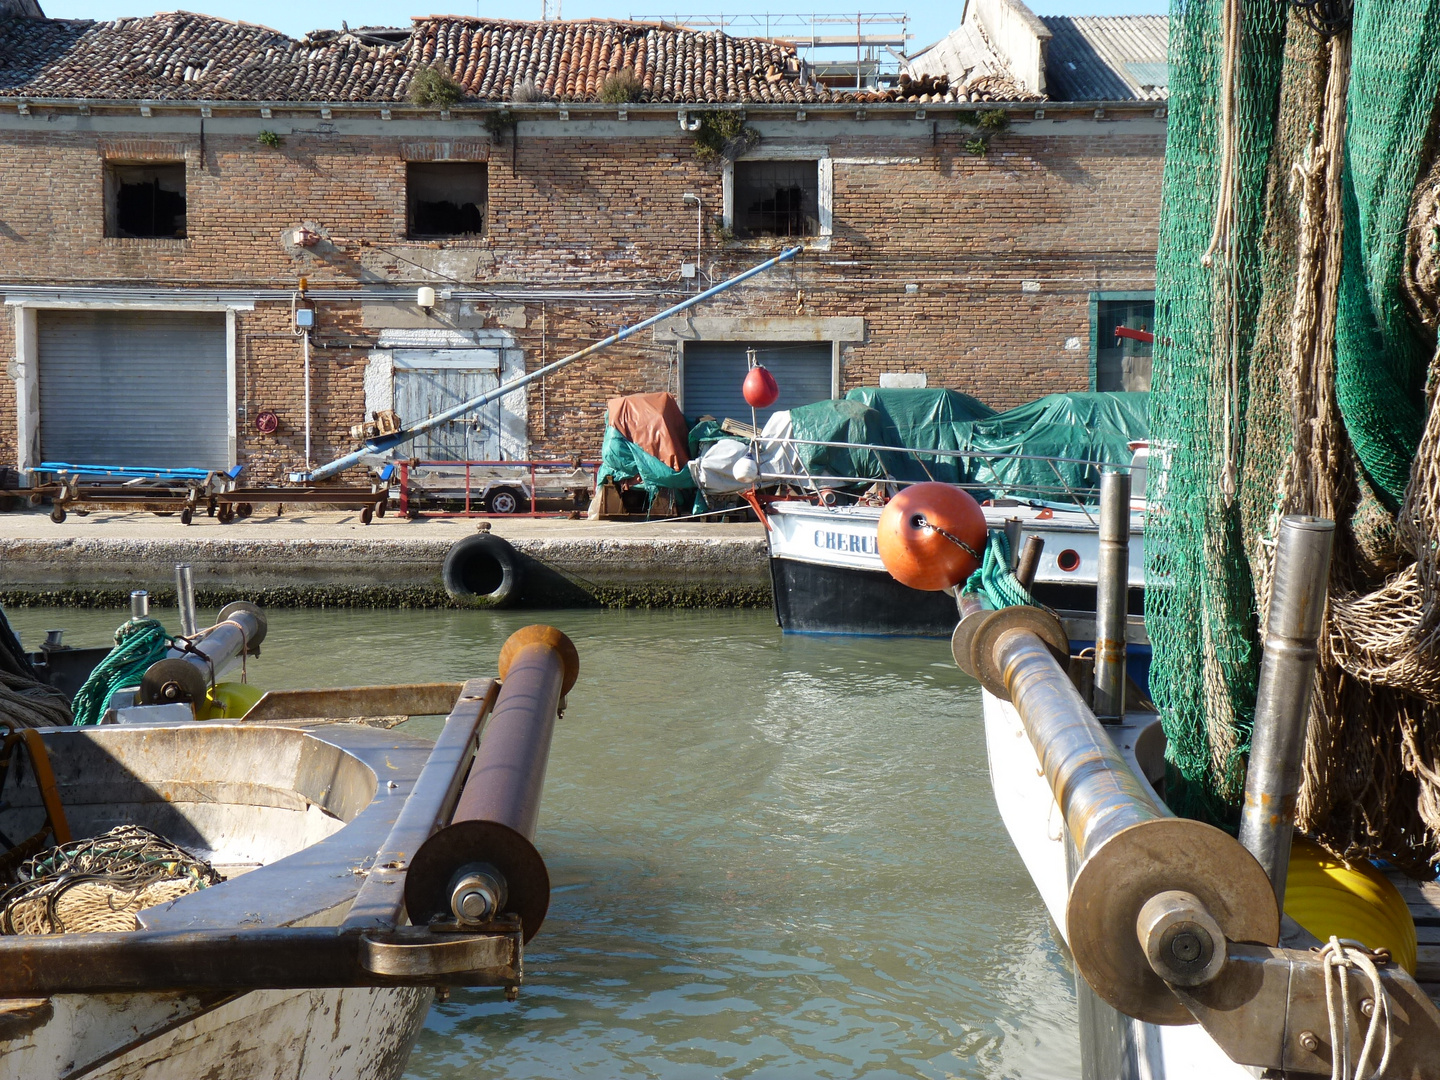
x=760 y=388
x=914 y=545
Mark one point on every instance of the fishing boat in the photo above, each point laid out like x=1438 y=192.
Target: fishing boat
x=319 y=878
x=1244 y=875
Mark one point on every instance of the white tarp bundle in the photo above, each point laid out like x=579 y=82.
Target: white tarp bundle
x=714 y=470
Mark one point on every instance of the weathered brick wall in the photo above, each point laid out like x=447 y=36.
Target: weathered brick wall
x=1071 y=212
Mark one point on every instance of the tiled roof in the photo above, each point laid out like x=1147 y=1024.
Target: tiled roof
x=1107 y=58
x=182 y=56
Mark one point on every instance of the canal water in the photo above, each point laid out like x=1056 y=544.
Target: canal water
x=772 y=856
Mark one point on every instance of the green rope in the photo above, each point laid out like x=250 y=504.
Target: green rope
x=994 y=580
x=138 y=644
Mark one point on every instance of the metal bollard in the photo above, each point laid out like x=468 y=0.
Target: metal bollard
x=1029 y=561
x=139 y=604
x=1112 y=589
x=185 y=598
x=1282 y=704
x=484 y=863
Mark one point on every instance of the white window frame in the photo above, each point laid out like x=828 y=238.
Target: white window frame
x=825 y=168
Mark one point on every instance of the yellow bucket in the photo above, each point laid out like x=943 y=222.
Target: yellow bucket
x=229 y=701
x=1331 y=898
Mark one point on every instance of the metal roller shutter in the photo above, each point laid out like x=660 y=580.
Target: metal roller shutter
x=142 y=388
x=715 y=370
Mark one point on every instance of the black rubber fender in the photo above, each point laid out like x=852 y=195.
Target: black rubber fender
x=483 y=569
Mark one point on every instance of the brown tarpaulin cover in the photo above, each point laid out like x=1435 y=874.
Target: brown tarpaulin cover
x=654 y=423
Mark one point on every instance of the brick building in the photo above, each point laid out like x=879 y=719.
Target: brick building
x=168 y=184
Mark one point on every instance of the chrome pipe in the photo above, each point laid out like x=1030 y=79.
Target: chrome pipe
x=1282 y=703
x=188 y=673
x=1112 y=589
x=1129 y=846
x=139 y=604
x=1099 y=794
x=185 y=598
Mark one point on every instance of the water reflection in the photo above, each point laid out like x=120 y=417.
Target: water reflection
x=773 y=856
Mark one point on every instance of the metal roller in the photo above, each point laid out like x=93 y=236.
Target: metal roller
x=484 y=864
x=1130 y=848
x=186 y=675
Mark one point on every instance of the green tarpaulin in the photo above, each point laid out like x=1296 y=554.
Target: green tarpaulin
x=1092 y=429
x=621 y=459
x=922 y=419
x=839 y=421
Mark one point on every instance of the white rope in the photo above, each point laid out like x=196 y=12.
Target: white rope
x=1338 y=956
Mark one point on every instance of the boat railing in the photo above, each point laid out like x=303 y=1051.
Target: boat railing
x=1063 y=491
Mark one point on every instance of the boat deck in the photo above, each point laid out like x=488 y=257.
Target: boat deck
x=1424 y=900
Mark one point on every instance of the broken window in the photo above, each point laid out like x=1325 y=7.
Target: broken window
x=446 y=198
x=145 y=200
x=777 y=198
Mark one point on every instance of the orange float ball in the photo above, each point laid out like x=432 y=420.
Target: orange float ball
x=915 y=551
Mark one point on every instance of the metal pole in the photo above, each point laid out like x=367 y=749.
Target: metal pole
x=139 y=604
x=1029 y=560
x=185 y=599
x=1112 y=589
x=1282 y=704
x=404 y=435
x=305 y=347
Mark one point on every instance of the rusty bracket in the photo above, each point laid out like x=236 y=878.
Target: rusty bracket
x=1267 y=1009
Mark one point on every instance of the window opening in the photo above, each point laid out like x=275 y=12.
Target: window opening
x=777 y=198
x=147 y=201
x=1123 y=363
x=446 y=198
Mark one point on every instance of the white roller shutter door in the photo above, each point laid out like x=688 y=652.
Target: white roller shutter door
x=140 y=388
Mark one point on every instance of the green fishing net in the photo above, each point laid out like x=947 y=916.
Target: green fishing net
x=1243 y=431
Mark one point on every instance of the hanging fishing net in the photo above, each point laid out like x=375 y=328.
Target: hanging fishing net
x=1296 y=314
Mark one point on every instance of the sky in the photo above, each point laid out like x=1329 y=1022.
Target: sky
x=930 y=20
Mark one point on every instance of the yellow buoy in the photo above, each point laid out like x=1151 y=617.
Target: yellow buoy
x=1331 y=898
x=229 y=701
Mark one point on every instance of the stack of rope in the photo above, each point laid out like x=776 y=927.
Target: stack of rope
x=138 y=644
x=100 y=884
x=23 y=697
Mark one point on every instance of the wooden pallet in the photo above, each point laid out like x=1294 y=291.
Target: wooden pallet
x=1424 y=900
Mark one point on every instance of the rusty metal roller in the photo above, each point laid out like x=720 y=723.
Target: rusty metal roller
x=484 y=863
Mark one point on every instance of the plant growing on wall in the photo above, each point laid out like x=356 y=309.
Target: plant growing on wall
x=982 y=127
x=620 y=86
x=723 y=135
x=270 y=139
x=499 y=122
x=433 y=85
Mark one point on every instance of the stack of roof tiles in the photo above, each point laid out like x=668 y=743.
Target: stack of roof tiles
x=181 y=56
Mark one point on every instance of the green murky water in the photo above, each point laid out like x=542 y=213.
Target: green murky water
x=773 y=856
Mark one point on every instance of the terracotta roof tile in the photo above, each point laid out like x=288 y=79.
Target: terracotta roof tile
x=183 y=56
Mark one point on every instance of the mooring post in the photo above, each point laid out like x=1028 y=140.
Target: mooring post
x=1112 y=590
x=1282 y=704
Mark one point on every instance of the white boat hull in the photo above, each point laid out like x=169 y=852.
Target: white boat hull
x=1112 y=1046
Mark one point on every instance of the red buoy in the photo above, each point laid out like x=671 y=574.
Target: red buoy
x=760 y=388
x=913 y=543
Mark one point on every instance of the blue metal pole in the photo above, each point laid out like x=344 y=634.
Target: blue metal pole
x=405 y=434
